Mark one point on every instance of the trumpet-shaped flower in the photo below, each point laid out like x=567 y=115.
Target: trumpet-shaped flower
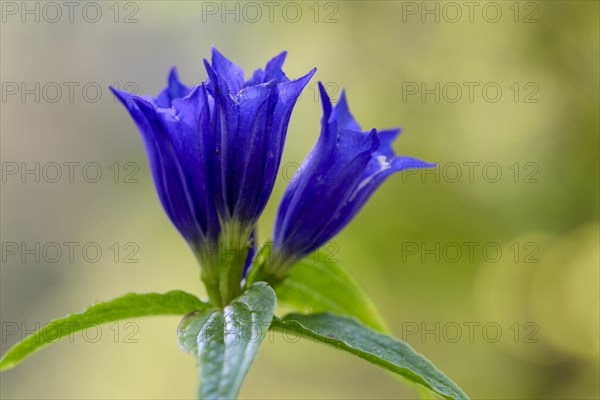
x=342 y=171
x=214 y=152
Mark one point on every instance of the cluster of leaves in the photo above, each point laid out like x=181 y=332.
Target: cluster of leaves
x=334 y=311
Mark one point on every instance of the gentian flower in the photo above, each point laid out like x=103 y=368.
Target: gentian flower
x=341 y=172
x=214 y=152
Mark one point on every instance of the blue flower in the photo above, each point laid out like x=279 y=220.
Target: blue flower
x=342 y=171
x=175 y=129
x=214 y=151
x=249 y=128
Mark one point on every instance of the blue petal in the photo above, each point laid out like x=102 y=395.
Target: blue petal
x=188 y=124
x=272 y=72
x=257 y=78
x=324 y=159
x=273 y=69
x=168 y=176
x=240 y=132
x=231 y=73
x=173 y=138
x=214 y=149
x=338 y=176
x=126 y=99
x=265 y=112
x=287 y=93
x=225 y=124
x=320 y=187
x=250 y=131
x=174 y=90
x=341 y=114
x=249 y=144
x=326 y=104
x=387 y=137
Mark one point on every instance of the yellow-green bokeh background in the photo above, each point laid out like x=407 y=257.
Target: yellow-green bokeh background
x=370 y=51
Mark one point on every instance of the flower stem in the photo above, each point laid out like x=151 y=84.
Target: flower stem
x=233 y=251
x=212 y=288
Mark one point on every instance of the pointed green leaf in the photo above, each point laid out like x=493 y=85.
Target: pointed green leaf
x=315 y=286
x=128 y=306
x=390 y=353
x=226 y=342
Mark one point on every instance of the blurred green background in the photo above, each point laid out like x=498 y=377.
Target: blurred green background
x=521 y=323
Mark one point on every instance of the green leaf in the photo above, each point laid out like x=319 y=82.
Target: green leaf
x=313 y=286
x=128 y=306
x=390 y=353
x=226 y=342
x=189 y=328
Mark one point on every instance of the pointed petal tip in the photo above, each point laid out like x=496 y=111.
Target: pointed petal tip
x=209 y=69
x=311 y=73
x=143 y=104
x=306 y=77
x=323 y=93
x=343 y=96
x=325 y=101
x=173 y=76
x=124 y=97
x=400 y=163
x=391 y=133
x=114 y=90
x=375 y=138
x=343 y=102
x=303 y=79
x=425 y=164
x=342 y=114
x=227 y=71
x=176 y=87
x=280 y=58
x=218 y=57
